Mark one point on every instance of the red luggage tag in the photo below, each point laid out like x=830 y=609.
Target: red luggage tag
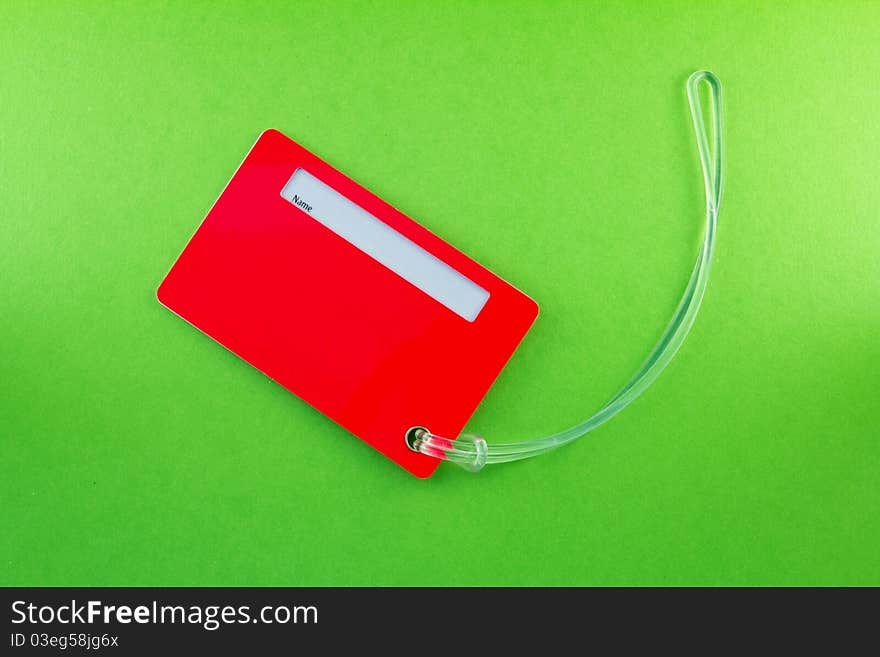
x=346 y=302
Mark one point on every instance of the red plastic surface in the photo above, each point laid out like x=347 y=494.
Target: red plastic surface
x=331 y=324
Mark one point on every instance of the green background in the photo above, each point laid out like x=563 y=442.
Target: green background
x=552 y=143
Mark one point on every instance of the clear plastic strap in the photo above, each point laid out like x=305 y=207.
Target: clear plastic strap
x=472 y=452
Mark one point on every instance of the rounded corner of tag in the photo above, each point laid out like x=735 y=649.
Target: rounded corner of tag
x=425 y=473
x=162 y=294
x=534 y=308
x=270 y=132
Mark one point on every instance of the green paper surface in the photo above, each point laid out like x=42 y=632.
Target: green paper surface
x=549 y=141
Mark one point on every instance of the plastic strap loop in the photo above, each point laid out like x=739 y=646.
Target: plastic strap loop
x=472 y=452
